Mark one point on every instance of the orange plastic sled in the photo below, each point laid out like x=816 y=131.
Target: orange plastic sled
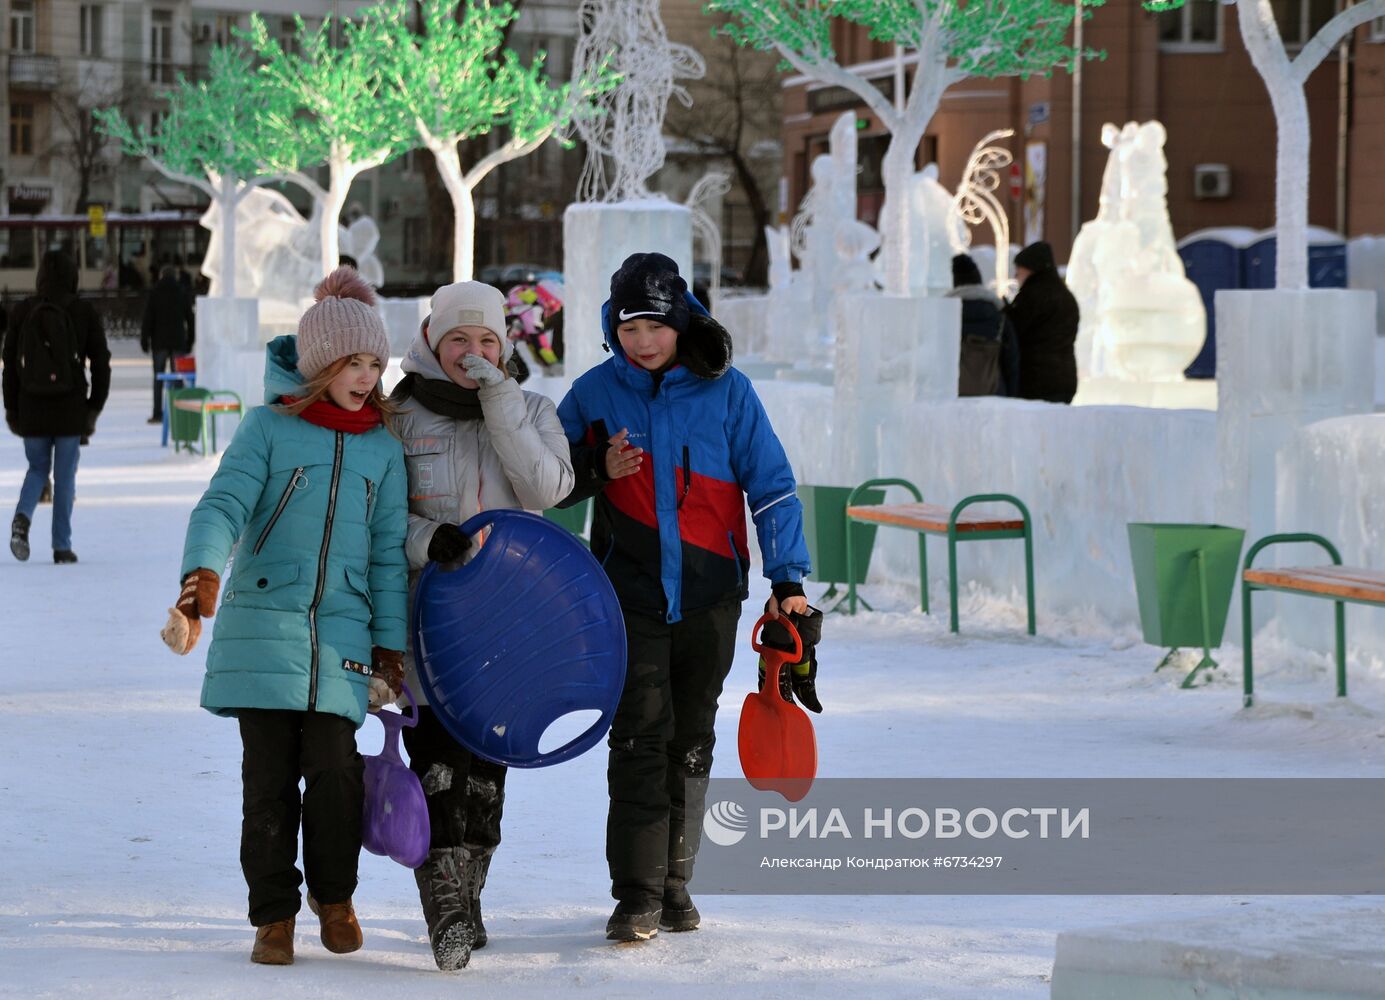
x=779 y=752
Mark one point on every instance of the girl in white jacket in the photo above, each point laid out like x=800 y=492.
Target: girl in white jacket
x=473 y=441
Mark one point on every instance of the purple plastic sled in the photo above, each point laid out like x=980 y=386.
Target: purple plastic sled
x=395 y=823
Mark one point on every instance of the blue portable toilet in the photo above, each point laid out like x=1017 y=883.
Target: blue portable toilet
x=1212 y=259
x=1211 y=265
x=1327 y=260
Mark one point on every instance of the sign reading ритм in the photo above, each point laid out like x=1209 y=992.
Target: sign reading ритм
x=1047 y=836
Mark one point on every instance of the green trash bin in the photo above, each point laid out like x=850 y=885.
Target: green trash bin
x=574 y=518
x=1184 y=577
x=824 y=527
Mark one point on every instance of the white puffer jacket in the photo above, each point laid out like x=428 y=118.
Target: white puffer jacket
x=516 y=457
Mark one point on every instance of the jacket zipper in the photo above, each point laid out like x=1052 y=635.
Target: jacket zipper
x=283 y=502
x=687 y=478
x=322 y=573
x=369 y=497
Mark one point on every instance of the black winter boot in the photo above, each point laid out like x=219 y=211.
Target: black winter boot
x=479 y=937
x=633 y=920
x=679 y=913
x=19 y=537
x=61 y=556
x=446 y=888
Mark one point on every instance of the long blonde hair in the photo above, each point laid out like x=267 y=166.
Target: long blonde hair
x=316 y=388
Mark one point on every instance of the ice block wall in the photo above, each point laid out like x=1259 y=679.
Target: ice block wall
x=596 y=238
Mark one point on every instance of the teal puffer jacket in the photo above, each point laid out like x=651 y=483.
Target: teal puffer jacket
x=313 y=522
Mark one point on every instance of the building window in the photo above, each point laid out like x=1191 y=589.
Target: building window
x=21 y=129
x=1299 y=20
x=224 y=29
x=93 y=29
x=1197 y=25
x=161 y=46
x=21 y=25
x=415 y=234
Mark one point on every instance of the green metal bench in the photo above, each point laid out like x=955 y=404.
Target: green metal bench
x=1337 y=583
x=193 y=414
x=932 y=519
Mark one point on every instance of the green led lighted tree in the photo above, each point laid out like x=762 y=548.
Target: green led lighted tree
x=1285 y=79
x=457 y=81
x=341 y=113
x=215 y=137
x=952 y=40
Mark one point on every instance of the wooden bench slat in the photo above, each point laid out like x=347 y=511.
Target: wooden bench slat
x=931 y=517
x=193 y=406
x=1353 y=582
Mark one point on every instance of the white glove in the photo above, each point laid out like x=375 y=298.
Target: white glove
x=481 y=370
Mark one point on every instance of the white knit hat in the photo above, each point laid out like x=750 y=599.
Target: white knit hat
x=469 y=303
x=342 y=322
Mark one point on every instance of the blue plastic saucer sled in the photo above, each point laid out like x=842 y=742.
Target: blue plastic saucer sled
x=525 y=633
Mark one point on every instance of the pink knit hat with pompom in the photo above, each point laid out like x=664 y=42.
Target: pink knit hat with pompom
x=341 y=323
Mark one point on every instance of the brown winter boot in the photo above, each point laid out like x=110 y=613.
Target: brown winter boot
x=341 y=934
x=274 y=943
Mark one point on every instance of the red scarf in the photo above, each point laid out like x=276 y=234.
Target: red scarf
x=327 y=414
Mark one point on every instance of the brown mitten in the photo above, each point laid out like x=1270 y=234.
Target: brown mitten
x=386 y=677
x=197 y=601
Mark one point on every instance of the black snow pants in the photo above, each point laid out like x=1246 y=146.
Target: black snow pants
x=661 y=747
x=465 y=793
x=280 y=749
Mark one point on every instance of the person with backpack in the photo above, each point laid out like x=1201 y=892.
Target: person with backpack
x=990 y=348
x=167 y=329
x=53 y=336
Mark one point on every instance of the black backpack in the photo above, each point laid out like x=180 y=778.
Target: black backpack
x=49 y=359
x=979 y=369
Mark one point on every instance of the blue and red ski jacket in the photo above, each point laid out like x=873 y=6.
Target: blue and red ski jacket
x=672 y=537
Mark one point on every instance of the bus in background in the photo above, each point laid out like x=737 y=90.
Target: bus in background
x=126 y=259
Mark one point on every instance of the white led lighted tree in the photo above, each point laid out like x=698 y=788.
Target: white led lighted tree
x=952 y=41
x=340 y=114
x=1284 y=79
x=213 y=137
x=624 y=128
x=457 y=81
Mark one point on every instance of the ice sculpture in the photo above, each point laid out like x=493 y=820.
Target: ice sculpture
x=833 y=247
x=1143 y=320
x=1082 y=275
x=627 y=37
x=936 y=232
x=278 y=260
x=780 y=258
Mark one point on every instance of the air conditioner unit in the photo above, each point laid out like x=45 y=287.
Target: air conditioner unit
x=1211 y=180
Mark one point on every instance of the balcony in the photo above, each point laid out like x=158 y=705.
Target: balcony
x=33 y=72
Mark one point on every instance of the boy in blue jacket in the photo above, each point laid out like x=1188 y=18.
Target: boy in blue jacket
x=672 y=441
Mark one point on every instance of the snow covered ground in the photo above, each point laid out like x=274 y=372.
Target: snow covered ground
x=120 y=814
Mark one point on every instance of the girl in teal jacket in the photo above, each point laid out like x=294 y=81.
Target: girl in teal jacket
x=309 y=507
